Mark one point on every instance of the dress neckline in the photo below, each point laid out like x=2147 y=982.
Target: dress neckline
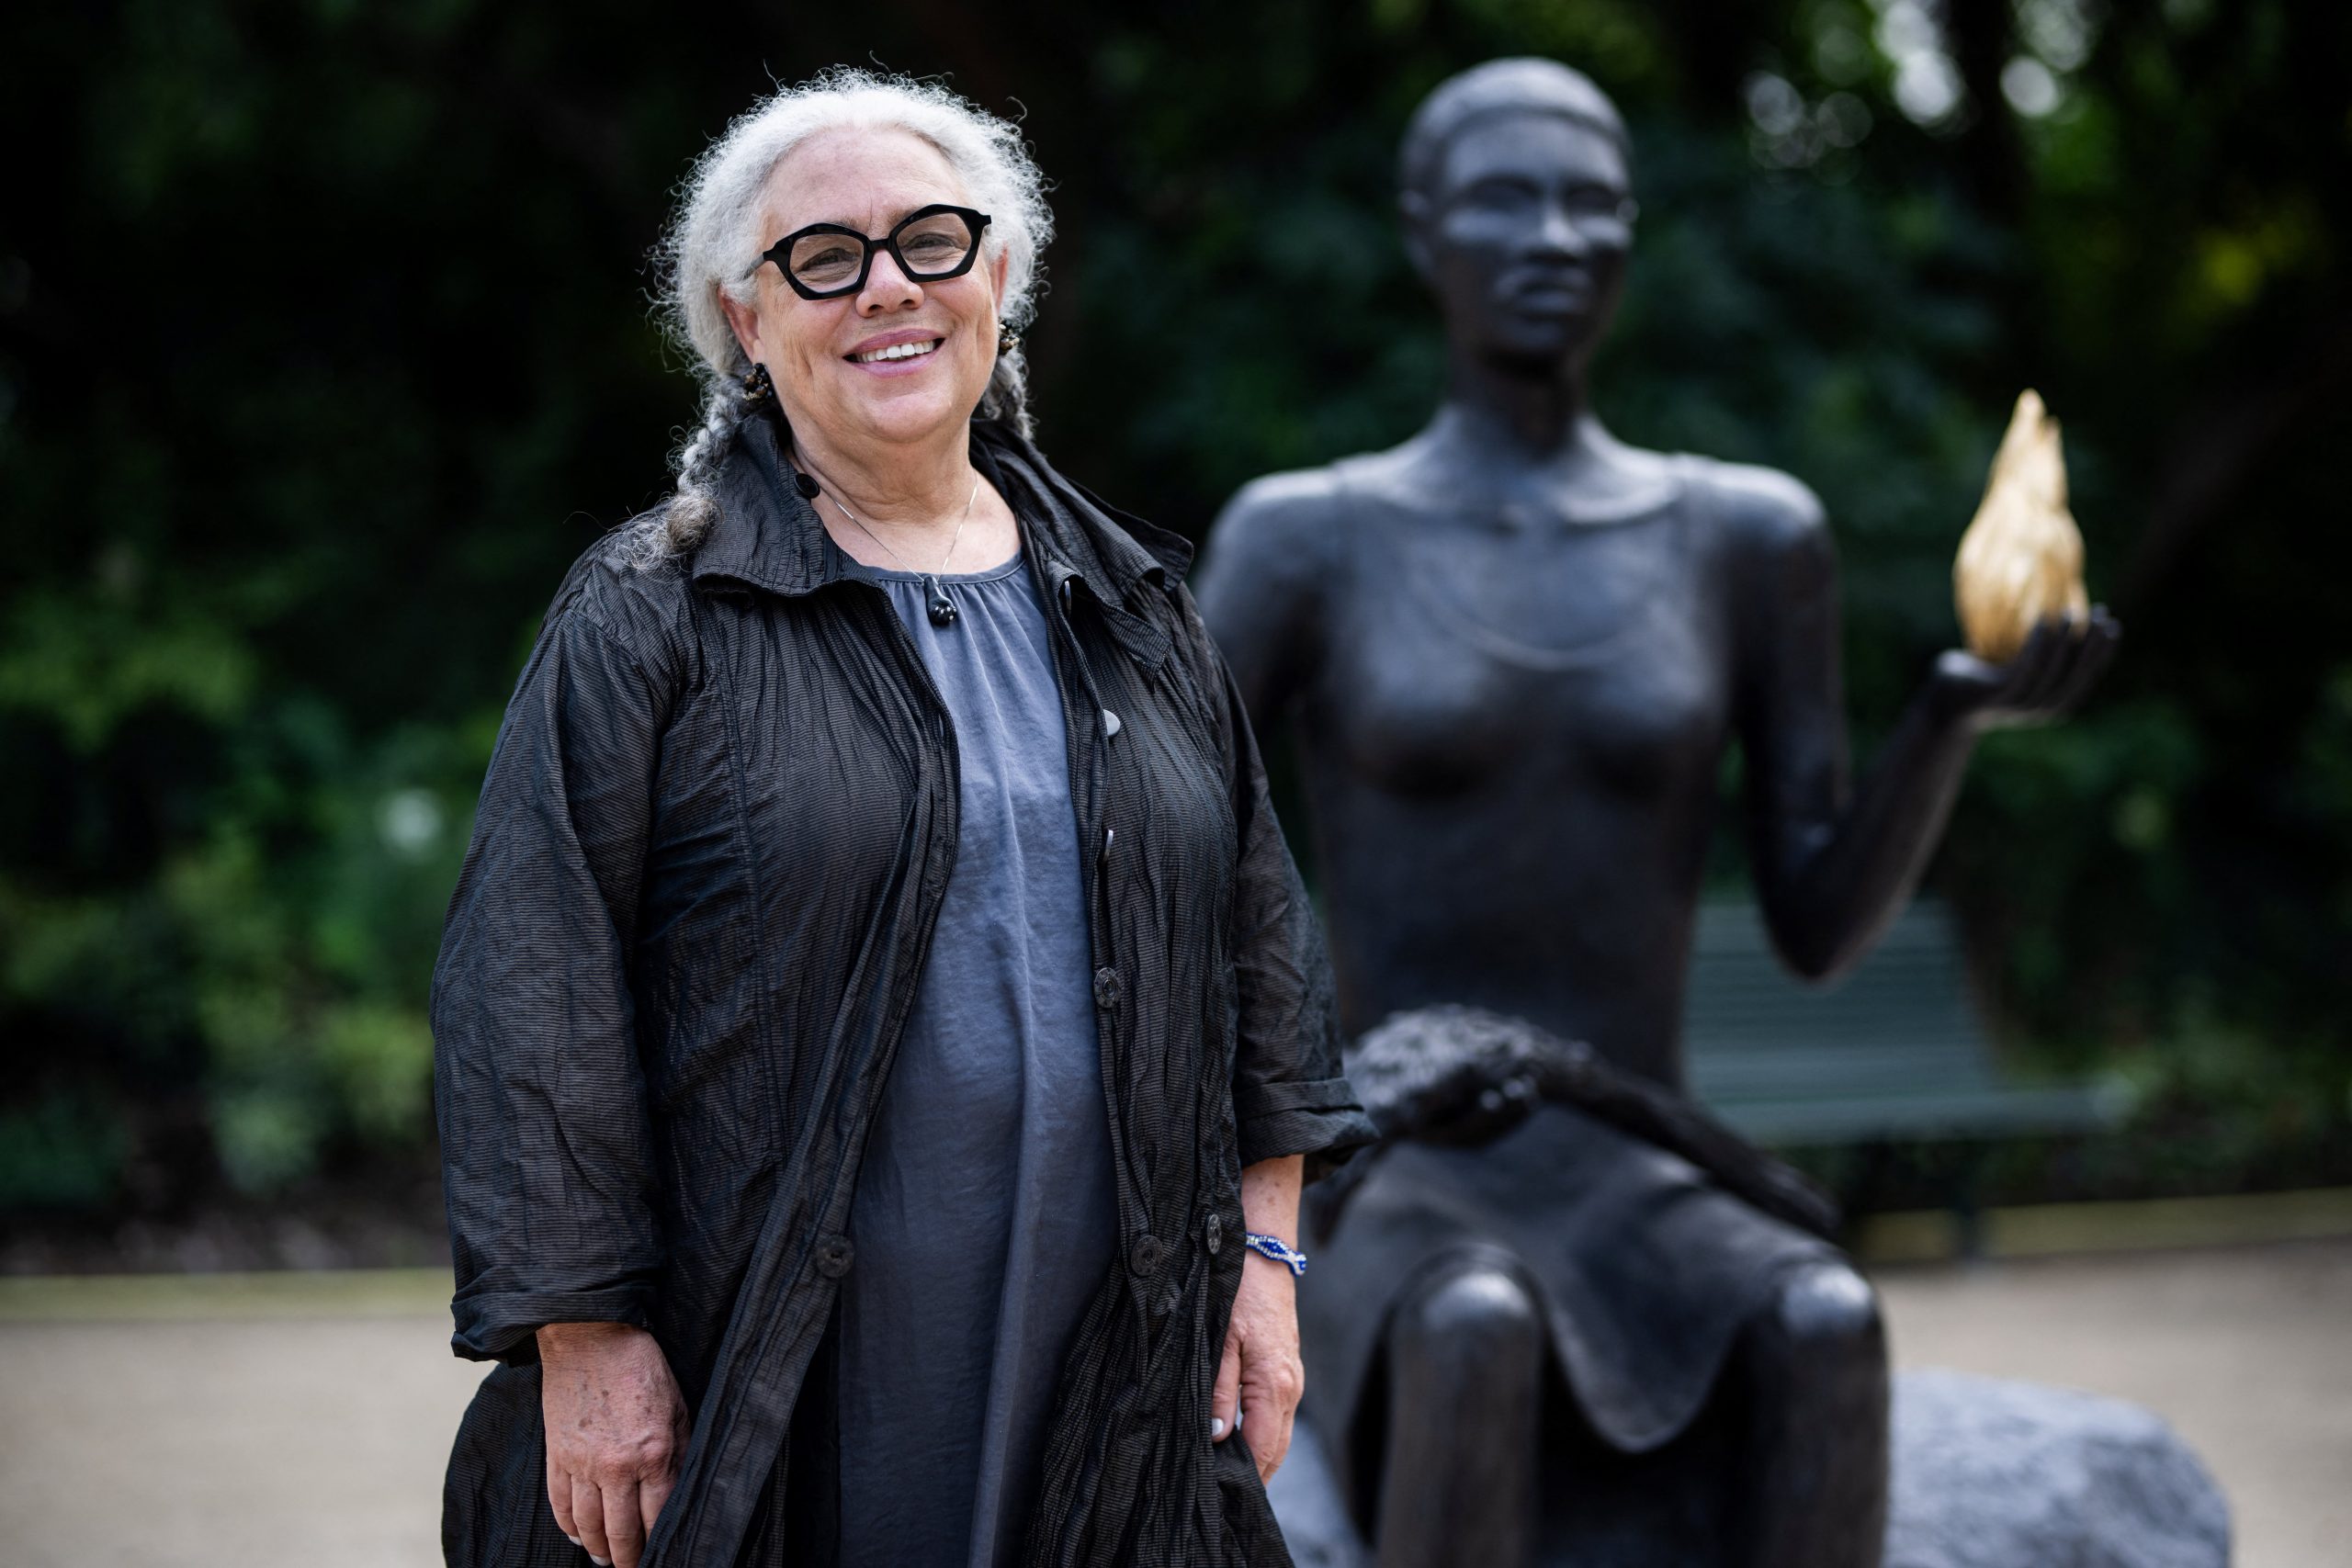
x=986 y=574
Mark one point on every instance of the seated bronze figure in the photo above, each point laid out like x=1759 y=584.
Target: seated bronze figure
x=1510 y=654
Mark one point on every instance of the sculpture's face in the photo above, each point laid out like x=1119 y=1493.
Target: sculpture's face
x=1525 y=237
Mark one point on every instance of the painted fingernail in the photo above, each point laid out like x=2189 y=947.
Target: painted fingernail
x=600 y=1561
x=573 y=1539
x=1216 y=1428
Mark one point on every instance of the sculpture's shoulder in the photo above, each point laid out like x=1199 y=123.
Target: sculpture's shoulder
x=1278 y=529
x=1283 y=512
x=1764 y=514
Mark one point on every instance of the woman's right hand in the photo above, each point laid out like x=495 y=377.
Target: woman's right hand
x=615 y=1427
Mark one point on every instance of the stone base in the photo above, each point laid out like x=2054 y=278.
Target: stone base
x=1986 y=1474
x=1993 y=1475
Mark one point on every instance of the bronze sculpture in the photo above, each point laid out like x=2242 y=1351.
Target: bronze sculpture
x=1511 y=653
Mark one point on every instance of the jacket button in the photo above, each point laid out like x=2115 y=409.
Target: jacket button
x=834 y=1255
x=1108 y=988
x=1212 y=1232
x=1109 y=723
x=1144 y=1256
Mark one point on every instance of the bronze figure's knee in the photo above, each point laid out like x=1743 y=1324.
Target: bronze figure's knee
x=1828 y=1308
x=1474 y=1320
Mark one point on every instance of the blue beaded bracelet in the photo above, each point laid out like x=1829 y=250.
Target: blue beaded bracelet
x=1272 y=1246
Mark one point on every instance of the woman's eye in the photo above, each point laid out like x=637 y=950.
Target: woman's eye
x=825 y=262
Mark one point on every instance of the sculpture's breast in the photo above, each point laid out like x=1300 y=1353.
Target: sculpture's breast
x=1589 y=655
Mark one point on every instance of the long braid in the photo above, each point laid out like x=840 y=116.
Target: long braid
x=676 y=529
x=1007 y=397
x=723 y=409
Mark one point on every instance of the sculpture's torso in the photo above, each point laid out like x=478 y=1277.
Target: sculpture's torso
x=1511 y=742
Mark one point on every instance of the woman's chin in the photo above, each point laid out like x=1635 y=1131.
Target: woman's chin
x=910 y=409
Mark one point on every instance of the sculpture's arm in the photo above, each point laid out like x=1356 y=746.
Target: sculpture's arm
x=1834 y=865
x=1260 y=588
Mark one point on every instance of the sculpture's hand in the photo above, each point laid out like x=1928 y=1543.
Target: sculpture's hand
x=2049 y=674
x=1260 y=1372
x=615 y=1427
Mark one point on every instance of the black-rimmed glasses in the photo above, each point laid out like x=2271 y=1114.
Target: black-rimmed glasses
x=825 y=260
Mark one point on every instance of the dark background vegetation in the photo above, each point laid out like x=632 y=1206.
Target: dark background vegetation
x=324 y=345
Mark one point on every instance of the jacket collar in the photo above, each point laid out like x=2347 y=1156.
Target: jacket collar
x=767 y=535
x=764 y=533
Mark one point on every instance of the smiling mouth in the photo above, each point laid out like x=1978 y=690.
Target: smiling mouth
x=898 y=351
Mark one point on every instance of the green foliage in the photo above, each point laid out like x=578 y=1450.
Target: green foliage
x=268 y=974
x=61 y=1150
x=324 y=346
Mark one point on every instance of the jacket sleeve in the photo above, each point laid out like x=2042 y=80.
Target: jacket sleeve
x=1289 y=1094
x=546 y=1150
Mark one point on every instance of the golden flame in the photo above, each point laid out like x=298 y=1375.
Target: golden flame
x=2021 y=560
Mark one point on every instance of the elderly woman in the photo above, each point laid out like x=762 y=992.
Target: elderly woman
x=880 y=1030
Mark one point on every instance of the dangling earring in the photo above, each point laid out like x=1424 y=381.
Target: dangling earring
x=757 y=387
x=1007 y=340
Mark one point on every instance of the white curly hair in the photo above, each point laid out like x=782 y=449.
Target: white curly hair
x=713 y=245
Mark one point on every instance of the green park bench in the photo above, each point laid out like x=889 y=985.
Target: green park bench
x=1893 y=1055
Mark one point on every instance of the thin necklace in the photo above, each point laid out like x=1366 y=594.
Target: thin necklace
x=940 y=609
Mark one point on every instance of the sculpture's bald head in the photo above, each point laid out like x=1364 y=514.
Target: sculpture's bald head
x=1523 y=85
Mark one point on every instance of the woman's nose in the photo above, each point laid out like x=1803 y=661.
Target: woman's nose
x=887 y=287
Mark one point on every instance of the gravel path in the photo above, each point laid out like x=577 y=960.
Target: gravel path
x=297 y=1426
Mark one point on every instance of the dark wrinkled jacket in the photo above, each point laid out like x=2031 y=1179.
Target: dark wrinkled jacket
x=712 y=840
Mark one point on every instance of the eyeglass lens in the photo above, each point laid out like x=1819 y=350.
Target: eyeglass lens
x=930 y=246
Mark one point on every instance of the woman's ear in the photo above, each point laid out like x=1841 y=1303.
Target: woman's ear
x=744 y=320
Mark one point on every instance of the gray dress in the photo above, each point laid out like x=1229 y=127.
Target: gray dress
x=983 y=1217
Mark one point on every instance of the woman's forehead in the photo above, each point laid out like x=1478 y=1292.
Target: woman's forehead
x=866 y=178
x=1534 y=145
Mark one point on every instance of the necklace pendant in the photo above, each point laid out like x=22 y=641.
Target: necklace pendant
x=941 y=609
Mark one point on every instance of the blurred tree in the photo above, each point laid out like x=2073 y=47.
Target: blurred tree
x=324 y=344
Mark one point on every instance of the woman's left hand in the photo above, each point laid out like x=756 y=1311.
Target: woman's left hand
x=1261 y=1377
x=1260 y=1372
